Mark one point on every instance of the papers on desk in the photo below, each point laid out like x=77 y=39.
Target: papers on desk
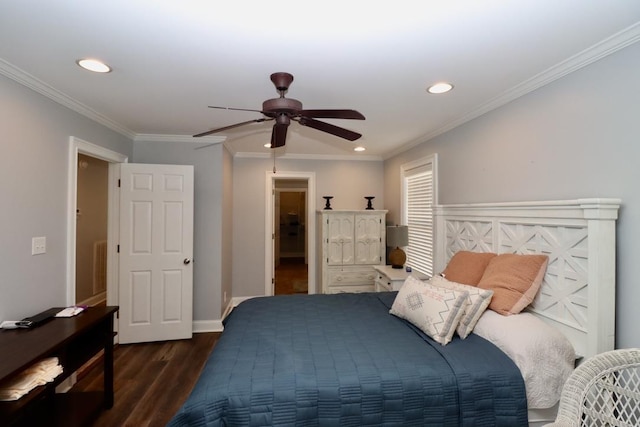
x=71 y=311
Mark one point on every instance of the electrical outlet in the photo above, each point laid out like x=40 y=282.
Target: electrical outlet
x=38 y=245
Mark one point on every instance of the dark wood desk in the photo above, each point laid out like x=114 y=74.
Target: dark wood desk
x=74 y=341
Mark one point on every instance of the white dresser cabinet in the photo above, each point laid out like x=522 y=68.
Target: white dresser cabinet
x=352 y=243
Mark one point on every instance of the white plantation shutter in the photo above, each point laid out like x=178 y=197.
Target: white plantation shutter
x=418 y=198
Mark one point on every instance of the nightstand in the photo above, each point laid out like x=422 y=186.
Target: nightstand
x=391 y=279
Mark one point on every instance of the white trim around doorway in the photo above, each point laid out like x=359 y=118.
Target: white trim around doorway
x=270 y=179
x=79 y=146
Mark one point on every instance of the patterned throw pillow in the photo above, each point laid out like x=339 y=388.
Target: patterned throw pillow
x=434 y=310
x=478 y=301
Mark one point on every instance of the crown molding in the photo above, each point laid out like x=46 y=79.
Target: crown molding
x=606 y=47
x=205 y=140
x=37 y=85
x=324 y=157
x=616 y=42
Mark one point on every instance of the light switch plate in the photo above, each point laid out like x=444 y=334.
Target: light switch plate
x=38 y=245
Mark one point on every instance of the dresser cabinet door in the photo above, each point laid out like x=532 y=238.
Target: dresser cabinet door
x=368 y=239
x=340 y=239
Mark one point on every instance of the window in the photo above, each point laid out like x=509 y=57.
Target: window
x=418 y=197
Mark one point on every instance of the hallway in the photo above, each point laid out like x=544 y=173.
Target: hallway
x=291 y=276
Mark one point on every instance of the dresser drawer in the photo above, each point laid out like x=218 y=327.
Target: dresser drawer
x=336 y=289
x=357 y=277
x=350 y=280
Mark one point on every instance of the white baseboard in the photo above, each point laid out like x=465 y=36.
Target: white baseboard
x=201 y=326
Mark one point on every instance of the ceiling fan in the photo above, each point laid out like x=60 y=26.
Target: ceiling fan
x=283 y=110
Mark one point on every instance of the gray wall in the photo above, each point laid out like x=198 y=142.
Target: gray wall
x=34 y=137
x=209 y=171
x=577 y=137
x=347 y=181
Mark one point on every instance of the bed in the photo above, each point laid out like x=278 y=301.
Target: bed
x=344 y=360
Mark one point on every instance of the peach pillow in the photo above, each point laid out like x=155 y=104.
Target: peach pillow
x=467 y=267
x=515 y=281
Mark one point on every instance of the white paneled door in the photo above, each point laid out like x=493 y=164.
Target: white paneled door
x=156 y=247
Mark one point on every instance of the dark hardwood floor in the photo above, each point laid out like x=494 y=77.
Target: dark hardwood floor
x=291 y=276
x=151 y=380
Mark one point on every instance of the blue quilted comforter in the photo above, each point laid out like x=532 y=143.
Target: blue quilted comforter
x=343 y=360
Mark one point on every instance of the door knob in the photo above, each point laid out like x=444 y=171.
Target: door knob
x=187 y=261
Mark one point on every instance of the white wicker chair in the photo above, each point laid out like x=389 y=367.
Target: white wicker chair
x=602 y=391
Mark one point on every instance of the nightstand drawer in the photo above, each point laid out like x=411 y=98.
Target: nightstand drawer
x=383 y=284
x=392 y=279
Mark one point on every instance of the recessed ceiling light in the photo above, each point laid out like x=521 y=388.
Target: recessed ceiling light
x=94 y=65
x=359 y=148
x=267 y=145
x=441 y=87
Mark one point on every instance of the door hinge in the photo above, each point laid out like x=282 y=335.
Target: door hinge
x=273 y=236
x=119 y=183
x=118 y=248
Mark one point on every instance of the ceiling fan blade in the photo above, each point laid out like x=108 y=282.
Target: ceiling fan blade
x=235 y=109
x=329 y=128
x=332 y=114
x=209 y=132
x=279 y=135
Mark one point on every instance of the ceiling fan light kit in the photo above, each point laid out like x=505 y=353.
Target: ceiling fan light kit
x=284 y=110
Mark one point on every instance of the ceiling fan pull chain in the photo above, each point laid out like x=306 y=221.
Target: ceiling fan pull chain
x=274 y=159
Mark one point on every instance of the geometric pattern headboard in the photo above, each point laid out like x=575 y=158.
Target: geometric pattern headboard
x=578 y=292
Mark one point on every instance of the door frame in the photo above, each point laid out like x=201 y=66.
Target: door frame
x=269 y=259
x=79 y=146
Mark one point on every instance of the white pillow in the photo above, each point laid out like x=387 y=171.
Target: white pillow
x=434 y=310
x=478 y=301
x=545 y=357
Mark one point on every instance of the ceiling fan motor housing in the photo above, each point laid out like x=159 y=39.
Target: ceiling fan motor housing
x=281 y=105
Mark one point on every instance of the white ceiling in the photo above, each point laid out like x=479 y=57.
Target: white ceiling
x=171 y=59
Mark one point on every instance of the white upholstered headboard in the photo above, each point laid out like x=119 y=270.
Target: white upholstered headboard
x=578 y=236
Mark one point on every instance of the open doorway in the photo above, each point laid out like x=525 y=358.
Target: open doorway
x=290 y=223
x=306 y=230
x=91 y=230
x=77 y=150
